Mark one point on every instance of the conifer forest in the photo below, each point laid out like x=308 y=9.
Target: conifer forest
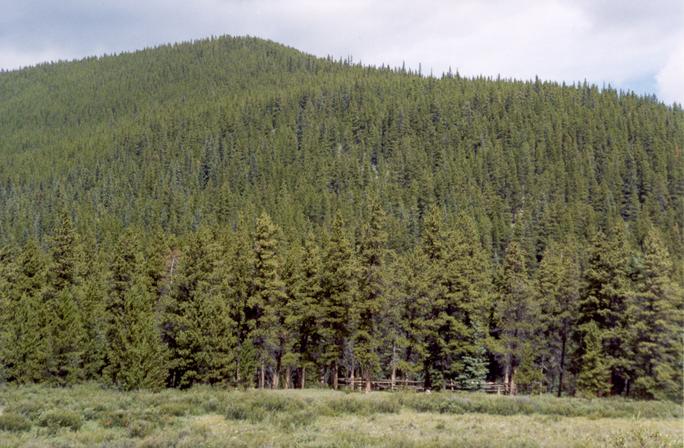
x=232 y=211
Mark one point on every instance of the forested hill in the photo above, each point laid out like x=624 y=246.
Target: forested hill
x=464 y=196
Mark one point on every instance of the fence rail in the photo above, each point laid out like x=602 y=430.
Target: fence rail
x=385 y=384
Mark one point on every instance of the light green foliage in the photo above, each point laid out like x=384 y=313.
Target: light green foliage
x=208 y=416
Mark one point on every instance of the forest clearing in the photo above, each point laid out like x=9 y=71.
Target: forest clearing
x=90 y=415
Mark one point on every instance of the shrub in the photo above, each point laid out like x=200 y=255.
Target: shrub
x=29 y=409
x=245 y=411
x=175 y=408
x=14 y=422
x=115 y=419
x=294 y=420
x=61 y=419
x=140 y=428
x=361 y=406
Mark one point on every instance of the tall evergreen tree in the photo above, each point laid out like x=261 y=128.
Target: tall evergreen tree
x=432 y=318
x=183 y=309
x=371 y=302
x=655 y=324
x=594 y=378
x=558 y=284
x=604 y=301
x=267 y=301
x=338 y=284
x=468 y=282
x=303 y=279
x=515 y=315
x=138 y=358
x=24 y=339
x=65 y=323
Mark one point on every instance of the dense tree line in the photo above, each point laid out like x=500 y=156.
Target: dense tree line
x=234 y=211
x=246 y=306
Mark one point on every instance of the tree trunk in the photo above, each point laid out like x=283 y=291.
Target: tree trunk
x=334 y=375
x=351 y=377
x=427 y=381
x=262 y=376
x=514 y=390
x=302 y=380
x=288 y=373
x=562 y=365
x=367 y=378
x=275 y=381
x=393 y=378
x=507 y=384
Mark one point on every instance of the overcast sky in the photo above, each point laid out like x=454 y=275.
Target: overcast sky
x=631 y=44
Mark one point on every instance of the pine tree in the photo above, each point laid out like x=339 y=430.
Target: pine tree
x=468 y=286
x=67 y=339
x=594 y=378
x=338 y=284
x=414 y=292
x=138 y=358
x=92 y=302
x=24 y=340
x=235 y=269
x=66 y=255
x=604 y=301
x=125 y=262
x=183 y=309
x=558 y=283
x=515 y=314
x=371 y=302
x=655 y=323
x=432 y=318
x=65 y=323
x=211 y=334
x=267 y=301
x=303 y=280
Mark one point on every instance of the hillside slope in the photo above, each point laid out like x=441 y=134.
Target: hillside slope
x=233 y=211
x=195 y=133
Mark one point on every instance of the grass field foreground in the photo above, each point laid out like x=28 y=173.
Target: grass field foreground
x=89 y=415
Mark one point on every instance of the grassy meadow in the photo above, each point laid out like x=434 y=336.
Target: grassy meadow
x=92 y=416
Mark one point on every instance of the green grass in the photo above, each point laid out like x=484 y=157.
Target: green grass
x=89 y=415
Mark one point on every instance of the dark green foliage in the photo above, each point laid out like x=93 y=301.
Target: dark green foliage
x=234 y=211
x=655 y=324
x=594 y=378
x=24 y=341
x=66 y=339
x=267 y=301
x=137 y=357
x=605 y=302
x=370 y=305
x=516 y=317
x=558 y=285
x=338 y=291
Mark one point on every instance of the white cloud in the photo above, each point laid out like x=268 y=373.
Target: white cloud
x=622 y=42
x=671 y=77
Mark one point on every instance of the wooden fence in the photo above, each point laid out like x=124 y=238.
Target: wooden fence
x=384 y=384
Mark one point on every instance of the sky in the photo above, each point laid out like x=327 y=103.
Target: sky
x=630 y=44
